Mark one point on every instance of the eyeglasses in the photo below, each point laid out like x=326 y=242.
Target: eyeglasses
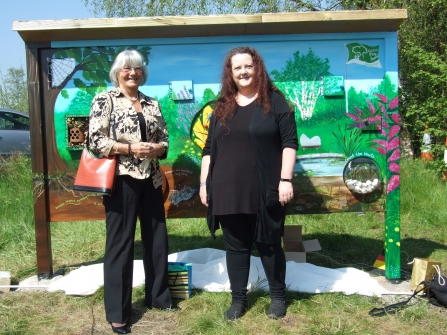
x=129 y=69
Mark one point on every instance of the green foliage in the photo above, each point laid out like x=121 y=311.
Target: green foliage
x=308 y=67
x=357 y=99
x=131 y=8
x=14 y=90
x=17 y=242
x=386 y=88
x=302 y=73
x=327 y=110
x=349 y=141
x=95 y=64
x=170 y=113
x=208 y=95
x=423 y=73
x=80 y=104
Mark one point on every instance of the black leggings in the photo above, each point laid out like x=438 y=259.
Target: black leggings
x=238 y=233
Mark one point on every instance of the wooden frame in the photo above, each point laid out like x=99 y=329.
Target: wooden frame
x=39 y=36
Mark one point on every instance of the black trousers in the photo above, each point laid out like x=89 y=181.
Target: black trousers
x=238 y=234
x=134 y=198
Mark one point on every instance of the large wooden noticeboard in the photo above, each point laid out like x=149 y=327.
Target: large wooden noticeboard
x=343 y=87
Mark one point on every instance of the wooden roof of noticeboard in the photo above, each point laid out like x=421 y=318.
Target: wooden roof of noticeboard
x=214 y=25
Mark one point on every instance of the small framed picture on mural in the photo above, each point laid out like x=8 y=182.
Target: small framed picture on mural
x=76 y=131
x=181 y=90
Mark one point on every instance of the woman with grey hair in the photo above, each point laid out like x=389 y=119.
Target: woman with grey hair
x=129 y=124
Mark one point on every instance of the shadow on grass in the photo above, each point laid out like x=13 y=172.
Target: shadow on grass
x=338 y=250
x=346 y=250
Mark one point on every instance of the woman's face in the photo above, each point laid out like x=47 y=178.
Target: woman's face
x=243 y=72
x=130 y=77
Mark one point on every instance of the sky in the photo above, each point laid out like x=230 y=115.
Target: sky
x=12 y=50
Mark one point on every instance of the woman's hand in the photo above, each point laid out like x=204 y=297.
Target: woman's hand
x=285 y=188
x=145 y=150
x=203 y=195
x=203 y=176
x=285 y=192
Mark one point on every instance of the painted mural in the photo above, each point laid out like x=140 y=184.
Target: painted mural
x=343 y=88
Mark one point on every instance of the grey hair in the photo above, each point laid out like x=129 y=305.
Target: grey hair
x=131 y=58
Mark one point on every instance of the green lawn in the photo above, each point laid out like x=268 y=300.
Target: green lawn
x=347 y=239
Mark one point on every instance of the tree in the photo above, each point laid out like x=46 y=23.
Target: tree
x=303 y=75
x=387 y=88
x=423 y=73
x=208 y=95
x=131 y=8
x=14 y=90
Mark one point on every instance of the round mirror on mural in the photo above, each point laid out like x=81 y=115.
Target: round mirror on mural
x=362 y=175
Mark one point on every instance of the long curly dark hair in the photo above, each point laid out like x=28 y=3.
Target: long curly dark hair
x=226 y=103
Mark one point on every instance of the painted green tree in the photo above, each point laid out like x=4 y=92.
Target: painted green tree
x=93 y=64
x=208 y=95
x=301 y=80
x=386 y=88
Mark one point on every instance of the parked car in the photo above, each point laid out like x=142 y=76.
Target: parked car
x=14 y=131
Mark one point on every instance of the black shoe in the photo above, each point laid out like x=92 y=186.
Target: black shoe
x=277 y=309
x=235 y=311
x=121 y=330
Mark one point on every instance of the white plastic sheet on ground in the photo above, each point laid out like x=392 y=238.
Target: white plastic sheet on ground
x=209 y=272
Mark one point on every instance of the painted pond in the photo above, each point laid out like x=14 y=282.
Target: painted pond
x=320 y=165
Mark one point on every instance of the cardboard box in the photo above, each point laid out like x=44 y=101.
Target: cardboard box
x=5 y=280
x=294 y=246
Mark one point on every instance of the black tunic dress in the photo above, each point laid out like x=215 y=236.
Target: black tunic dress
x=269 y=133
x=235 y=185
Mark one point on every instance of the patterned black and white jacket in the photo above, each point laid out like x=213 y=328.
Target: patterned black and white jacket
x=124 y=120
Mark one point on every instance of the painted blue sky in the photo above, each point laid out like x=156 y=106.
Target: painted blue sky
x=201 y=59
x=198 y=61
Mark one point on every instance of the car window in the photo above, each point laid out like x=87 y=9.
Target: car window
x=13 y=121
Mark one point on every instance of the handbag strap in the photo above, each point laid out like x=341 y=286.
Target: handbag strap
x=393 y=308
x=112 y=117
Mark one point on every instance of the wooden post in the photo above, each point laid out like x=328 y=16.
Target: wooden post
x=39 y=163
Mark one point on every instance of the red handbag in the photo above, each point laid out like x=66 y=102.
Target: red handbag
x=95 y=174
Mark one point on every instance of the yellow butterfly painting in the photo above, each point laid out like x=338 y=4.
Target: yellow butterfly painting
x=200 y=124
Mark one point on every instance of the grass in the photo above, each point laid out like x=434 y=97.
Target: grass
x=347 y=239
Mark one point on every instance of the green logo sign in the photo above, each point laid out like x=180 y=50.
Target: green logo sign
x=363 y=54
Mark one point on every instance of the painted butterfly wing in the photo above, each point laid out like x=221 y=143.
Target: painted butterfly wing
x=200 y=124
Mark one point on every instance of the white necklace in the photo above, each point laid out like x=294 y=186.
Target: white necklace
x=132 y=99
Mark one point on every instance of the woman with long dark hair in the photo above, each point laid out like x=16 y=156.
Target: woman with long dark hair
x=246 y=176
